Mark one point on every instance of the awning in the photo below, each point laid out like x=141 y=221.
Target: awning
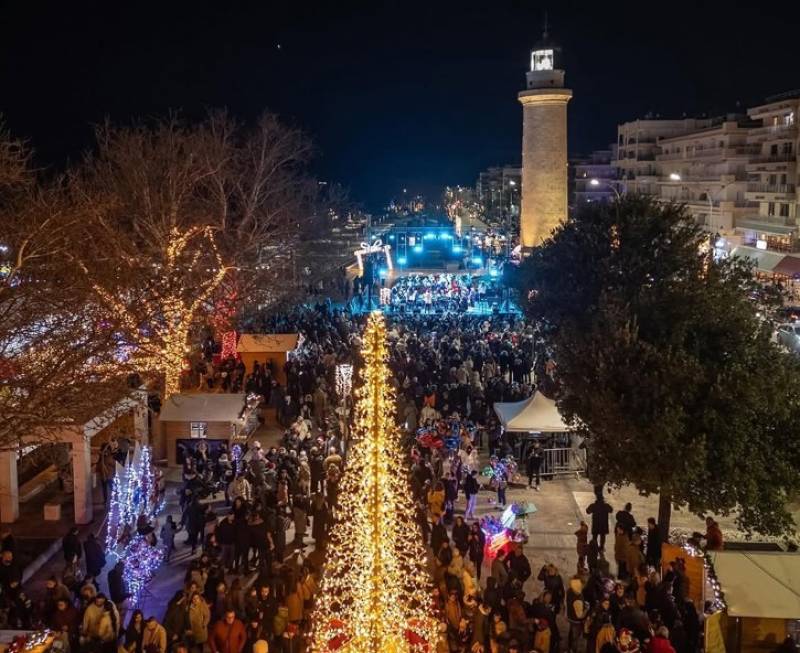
x=761 y=585
x=537 y=414
x=269 y=342
x=789 y=265
x=764 y=260
x=765 y=227
x=202 y=407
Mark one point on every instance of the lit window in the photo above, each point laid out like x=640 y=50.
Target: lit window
x=198 y=429
x=789 y=119
x=542 y=60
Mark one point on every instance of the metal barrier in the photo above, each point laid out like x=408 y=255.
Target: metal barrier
x=563 y=461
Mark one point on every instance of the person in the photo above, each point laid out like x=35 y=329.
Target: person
x=116 y=583
x=100 y=624
x=713 y=536
x=582 y=545
x=471 y=489
x=534 y=465
x=621 y=544
x=553 y=585
x=626 y=520
x=134 y=633
x=476 y=543
x=519 y=567
x=65 y=619
x=176 y=619
x=154 y=638
x=599 y=510
x=502 y=484
x=653 y=550
x=576 y=613
x=94 y=556
x=71 y=545
x=499 y=571
x=199 y=617
x=436 y=499
x=107 y=467
x=660 y=643
x=460 y=535
x=167 y=534
x=228 y=635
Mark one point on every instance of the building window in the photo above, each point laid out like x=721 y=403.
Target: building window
x=773 y=179
x=784 y=210
x=773 y=149
x=787 y=148
x=771 y=208
x=789 y=119
x=198 y=429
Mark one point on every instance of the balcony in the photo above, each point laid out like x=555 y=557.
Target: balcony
x=773 y=158
x=776 y=131
x=782 y=189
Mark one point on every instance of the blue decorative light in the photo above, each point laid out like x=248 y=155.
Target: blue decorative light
x=447 y=236
x=430 y=236
x=382 y=272
x=477 y=260
x=457 y=249
x=418 y=249
x=402 y=260
x=494 y=272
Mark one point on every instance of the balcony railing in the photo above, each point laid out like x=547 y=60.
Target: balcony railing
x=778 y=130
x=774 y=158
x=784 y=189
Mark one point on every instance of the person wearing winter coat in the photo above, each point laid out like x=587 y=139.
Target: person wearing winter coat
x=154 y=638
x=471 y=489
x=460 y=535
x=499 y=571
x=476 y=543
x=519 y=567
x=554 y=584
x=116 y=583
x=599 y=510
x=176 y=618
x=240 y=487
x=71 y=545
x=94 y=556
x=100 y=621
x=436 y=500
x=582 y=545
x=481 y=623
x=576 y=613
x=199 y=616
x=541 y=635
x=653 y=553
x=134 y=633
x=622 y=545
x=228 y=635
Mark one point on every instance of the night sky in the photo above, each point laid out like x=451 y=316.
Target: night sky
x=394 y=94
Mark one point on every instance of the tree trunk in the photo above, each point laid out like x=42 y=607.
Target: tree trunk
x=664 y=514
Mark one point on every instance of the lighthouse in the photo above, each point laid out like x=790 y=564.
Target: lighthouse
x=544 y=144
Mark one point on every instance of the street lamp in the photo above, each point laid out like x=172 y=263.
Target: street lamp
x=596 y=183
x=674 y=176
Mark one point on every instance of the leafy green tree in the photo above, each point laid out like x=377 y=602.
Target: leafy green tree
x=665 y=361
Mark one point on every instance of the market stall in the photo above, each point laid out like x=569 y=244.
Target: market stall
x=537 y=414
x=271 y=350
x=213 y=418
x=762 y=599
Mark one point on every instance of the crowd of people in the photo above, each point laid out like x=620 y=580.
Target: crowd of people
x=256 y=518
x=442 y=292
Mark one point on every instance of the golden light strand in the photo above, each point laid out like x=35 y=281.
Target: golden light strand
x=375 y=593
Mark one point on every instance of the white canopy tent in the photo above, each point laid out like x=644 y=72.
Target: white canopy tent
x=536 y=414
x=760 y=585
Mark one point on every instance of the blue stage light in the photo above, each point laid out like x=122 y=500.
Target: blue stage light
x=391 y=236
x=477 y=260
x=457 y=249
x=429 y=236
x=382 y=272
x=418 y=249
x=447 y=236
x=494 y=272
x=402 y=260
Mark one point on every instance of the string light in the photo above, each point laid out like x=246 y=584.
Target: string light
x=344 y=380
x=229 y=339
x=375 y=593
x=142 y=559
x=385 y=296
x=717 y=603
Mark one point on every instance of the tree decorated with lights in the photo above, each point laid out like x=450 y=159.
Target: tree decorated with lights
x=375 y=590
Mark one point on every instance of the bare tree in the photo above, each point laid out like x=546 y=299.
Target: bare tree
x=56 y=357
x=179 y=220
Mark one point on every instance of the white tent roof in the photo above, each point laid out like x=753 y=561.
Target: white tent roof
x=537 y=413
x=756 y=584
x=202 y=407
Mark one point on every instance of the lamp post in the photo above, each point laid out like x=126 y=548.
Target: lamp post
x=597 y=183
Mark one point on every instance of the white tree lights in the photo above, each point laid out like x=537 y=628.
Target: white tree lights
x=344 y=380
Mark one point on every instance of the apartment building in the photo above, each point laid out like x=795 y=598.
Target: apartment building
x=593 y=178
x=498 y=192
x=737 y=174
x=772 y=175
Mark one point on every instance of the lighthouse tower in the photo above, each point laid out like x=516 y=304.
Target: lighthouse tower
x=544 y=144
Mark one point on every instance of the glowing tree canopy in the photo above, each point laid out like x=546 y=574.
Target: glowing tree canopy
x=375 y=594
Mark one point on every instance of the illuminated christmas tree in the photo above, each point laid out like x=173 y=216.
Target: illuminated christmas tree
x=375 y=594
